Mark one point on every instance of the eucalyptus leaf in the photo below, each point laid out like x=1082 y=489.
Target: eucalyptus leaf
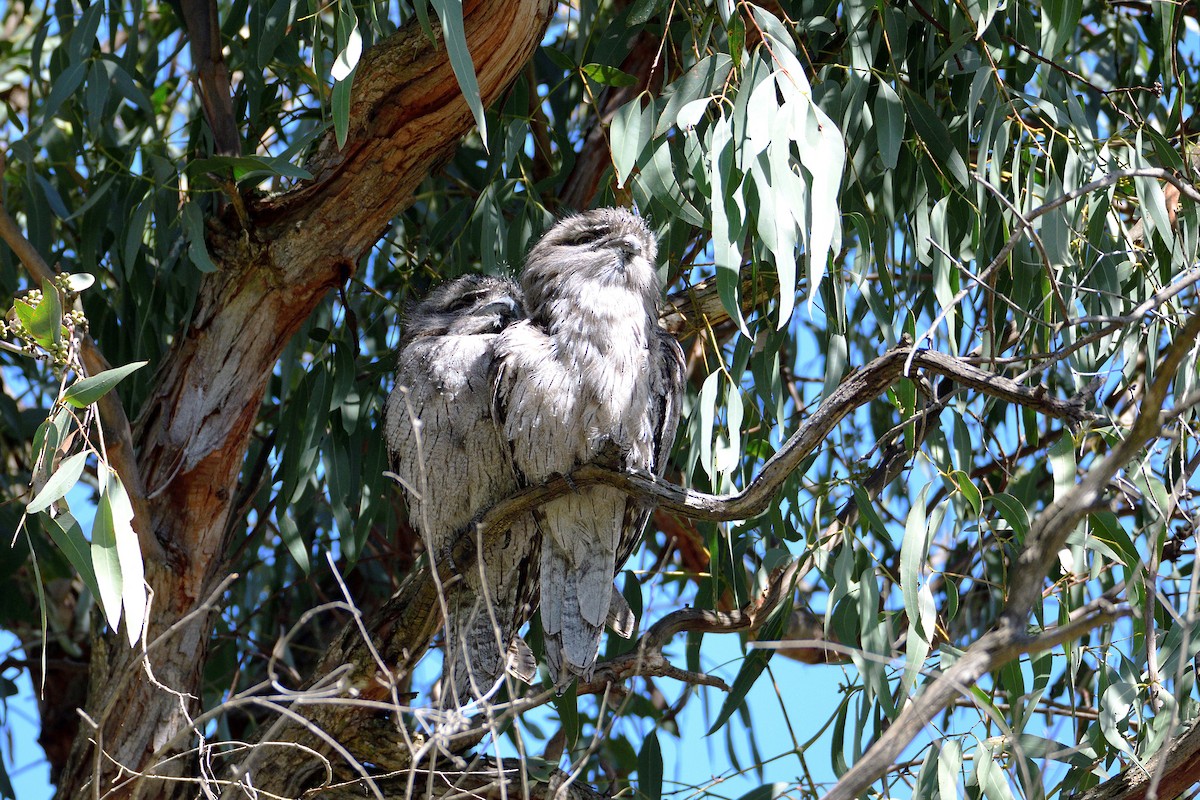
x=85 y=391
x=61 y=482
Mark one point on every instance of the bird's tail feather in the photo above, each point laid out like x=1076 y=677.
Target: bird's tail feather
x=577 y=594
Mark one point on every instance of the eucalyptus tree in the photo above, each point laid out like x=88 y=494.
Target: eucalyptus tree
x=931 y=265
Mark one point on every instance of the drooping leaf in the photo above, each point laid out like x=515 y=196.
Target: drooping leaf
x=450 y=15
x=129 y=553
x=889 y=124
x=608 y=75
x=67 y=534
x=61 y=482
x=294 y=541
x=193 y=223
x=106 y=562
x=650 y=769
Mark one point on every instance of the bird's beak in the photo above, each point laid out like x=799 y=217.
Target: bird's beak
x=506 y=307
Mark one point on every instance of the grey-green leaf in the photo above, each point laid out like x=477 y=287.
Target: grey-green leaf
x=61 y=482
x=84 y=392
x=106 y=563
x=129 y=554
x=889 y=124
x=650 y=769
x=66 y=533
x=450 y=14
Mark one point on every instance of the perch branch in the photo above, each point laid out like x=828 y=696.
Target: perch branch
x=858 y=388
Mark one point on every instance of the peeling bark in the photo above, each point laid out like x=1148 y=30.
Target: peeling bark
x=192 y=436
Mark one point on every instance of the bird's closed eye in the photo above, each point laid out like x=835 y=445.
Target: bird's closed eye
x=465 y=301
x=586 y=236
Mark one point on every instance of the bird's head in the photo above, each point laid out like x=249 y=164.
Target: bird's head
x=590 y=252
x=468 y=305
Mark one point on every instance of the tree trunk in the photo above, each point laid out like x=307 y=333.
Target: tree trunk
x=407 y=116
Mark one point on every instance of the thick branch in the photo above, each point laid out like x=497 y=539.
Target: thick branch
x=212 y=75
x=400 y=632
x=407 y=116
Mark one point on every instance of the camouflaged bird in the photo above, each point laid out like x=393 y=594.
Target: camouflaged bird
x=588 y=372
x=453 y=465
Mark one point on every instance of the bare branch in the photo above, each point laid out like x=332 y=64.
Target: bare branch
x=1008 y=639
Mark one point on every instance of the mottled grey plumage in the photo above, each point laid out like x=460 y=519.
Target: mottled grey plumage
x=590 y=368
x=454 y=465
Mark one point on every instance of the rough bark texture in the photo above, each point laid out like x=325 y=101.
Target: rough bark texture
x=408 y=115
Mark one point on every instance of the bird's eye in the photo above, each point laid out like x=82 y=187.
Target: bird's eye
x=586 y=236
x=463 y=302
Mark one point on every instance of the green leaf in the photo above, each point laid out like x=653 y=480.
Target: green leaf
x=294 y=541
x=1063 y=465
x=274 y=27
x=1060 y=21
x=990 y=775
x=248 y=167
x=823 y=154
x=727 y=223
x=708 y=413
x=83 y=37
x=61 y=482
x=560 y=59
x=752 y=667
x=49 y=314
x=63 y=87
x=1115 y=705
x=936 y=136
x=650 y=769
x=866 y=510
x=106 y=562
x=83 y=393
x=66 y=533
x=703 y=80
x=1107 y=528
x=450 y=14
x=340 y=107
x=1078 y=755
x=568 y=714
x=914 y=550
x=968 y=489
x=347 y=59
x=79 y=281
x=1013 y=512
x=889 y=124
x=641 y=11
x=129 y=554
x=43 y=321
x=949 y=767
x=628 y=135
x=193 y=225
x=768 y=791
x=611 y=76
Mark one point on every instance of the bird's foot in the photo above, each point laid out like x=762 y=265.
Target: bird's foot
x=610 y=455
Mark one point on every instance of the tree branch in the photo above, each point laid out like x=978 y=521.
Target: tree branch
x=1008 y=640
x=858 y=388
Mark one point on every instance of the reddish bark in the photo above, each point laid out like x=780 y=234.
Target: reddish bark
x=191 y=439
